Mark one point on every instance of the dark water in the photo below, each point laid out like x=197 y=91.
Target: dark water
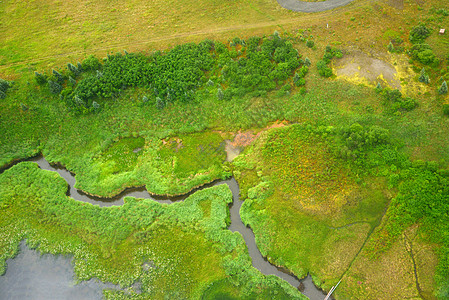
x=27 y=272
x=42 y=277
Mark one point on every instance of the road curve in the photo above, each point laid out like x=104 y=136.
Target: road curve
x=309 y=7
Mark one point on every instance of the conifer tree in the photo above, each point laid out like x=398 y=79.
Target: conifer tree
x=220 y=94
x=390 y=47
x=40 y=78
x=58 y=76
x=423 y=77
x=54 y=87
x=72 y=81
x=443 y=88
x=159 y=103
x=307 y=62
x=95 y=106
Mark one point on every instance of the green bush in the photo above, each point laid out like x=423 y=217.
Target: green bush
x=310 y=43
x=419 y=33
x=323 y=68
x=423 y=53
x=446 y=109
x=4 y=85
x=394 y=101
x=91 y=63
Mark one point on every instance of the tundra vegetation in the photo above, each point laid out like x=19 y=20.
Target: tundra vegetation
x=342 y=181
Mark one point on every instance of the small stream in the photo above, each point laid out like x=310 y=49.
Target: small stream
x=49 y=275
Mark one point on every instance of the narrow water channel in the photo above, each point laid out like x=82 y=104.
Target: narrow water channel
x=17 y=267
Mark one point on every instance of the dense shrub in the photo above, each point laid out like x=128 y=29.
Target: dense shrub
x=323 y=69
x=394 y=101
x=322 y=65
x=266 y=63
x=4 y=86
x=423 y=53
x=175 y=75
x=91 y=63
x=446 y=109
x=419 y=33
x=357 y=136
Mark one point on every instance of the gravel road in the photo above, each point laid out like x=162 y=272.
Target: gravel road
x=297 y=5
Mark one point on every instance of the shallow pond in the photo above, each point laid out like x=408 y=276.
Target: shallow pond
x=47 y=276
x=41 y=277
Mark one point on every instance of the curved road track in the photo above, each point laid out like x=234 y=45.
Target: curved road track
x=302 y=6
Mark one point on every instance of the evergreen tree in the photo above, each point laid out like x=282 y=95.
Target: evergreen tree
x=210 y=83
x=307 y=62
x=78 y=101
x=160 y=103
x=4 y=85
x=72 y=81
x=72 y=69
x=220 y=94
x=58 y=76
x=79 y=67
x=54 y=87
x=443 y=88
x=390 y=47
x=95 y=106
x=423 y=77
x=40 y=78
x=2 y=95
x=296 y=77
x=378 y=88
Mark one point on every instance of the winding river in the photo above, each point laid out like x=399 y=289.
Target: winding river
x=49 y=275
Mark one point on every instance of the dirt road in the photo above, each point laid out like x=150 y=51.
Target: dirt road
x=297 y=5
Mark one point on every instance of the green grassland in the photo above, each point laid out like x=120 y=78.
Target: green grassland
x=353 y=187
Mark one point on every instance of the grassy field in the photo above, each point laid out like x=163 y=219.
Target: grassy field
x=353 y=187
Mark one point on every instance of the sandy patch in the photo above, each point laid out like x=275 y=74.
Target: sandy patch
x=360 y=68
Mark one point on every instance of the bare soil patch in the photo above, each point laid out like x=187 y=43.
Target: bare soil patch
x=358 y=66
x=240 y=140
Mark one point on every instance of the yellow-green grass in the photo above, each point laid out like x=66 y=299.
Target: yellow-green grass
x=307 y=211
x=407 y=268
x=52 y=31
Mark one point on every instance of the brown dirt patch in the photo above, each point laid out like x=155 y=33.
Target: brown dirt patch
x=240 y=140
x=362 y=68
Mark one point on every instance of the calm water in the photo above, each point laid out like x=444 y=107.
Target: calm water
x=42 y=277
